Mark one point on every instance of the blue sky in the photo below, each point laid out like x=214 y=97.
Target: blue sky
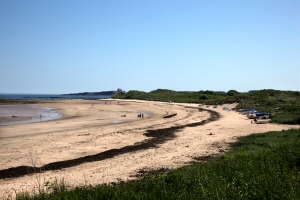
x=55 y=47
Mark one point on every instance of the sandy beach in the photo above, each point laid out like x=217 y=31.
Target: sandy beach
x=103 y=141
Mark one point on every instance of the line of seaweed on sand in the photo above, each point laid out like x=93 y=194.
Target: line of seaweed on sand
x=156 y=137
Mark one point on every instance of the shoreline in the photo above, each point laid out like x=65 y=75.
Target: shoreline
x=87 y=131
x=27 y=113
x=157 y=136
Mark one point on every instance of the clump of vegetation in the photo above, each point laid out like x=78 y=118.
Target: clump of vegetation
x=259 y=166
x=284 y=106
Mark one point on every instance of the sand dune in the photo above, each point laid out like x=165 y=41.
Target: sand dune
x=94 y=143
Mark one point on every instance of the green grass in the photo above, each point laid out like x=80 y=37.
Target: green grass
x=259 y=166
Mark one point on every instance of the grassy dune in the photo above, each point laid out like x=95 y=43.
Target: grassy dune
x=283 y=105
x=259 y=166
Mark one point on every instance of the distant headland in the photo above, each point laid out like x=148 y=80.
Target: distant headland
x=112 y=92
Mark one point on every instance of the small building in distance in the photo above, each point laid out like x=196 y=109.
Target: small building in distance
x=120 y=91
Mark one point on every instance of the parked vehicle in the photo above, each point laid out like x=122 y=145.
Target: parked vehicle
x=260 y=115
x=246 y=112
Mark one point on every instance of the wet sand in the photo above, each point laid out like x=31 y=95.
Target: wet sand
x=94 y=143
x=27 y=113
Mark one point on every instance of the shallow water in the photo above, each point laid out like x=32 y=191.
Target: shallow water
x=27 y=113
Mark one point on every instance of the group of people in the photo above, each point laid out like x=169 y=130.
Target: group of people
x=140 y=115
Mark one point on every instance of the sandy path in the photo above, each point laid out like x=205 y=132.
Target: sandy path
x=94 y=128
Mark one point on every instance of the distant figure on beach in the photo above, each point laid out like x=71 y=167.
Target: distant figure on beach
x=41 y=116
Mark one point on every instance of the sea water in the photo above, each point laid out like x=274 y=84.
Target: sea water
x=50 y=96
x=28 y=113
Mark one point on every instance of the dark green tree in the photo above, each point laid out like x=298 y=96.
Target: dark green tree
x=232 y=92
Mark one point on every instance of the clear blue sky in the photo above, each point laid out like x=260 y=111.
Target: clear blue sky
x=55 y=47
